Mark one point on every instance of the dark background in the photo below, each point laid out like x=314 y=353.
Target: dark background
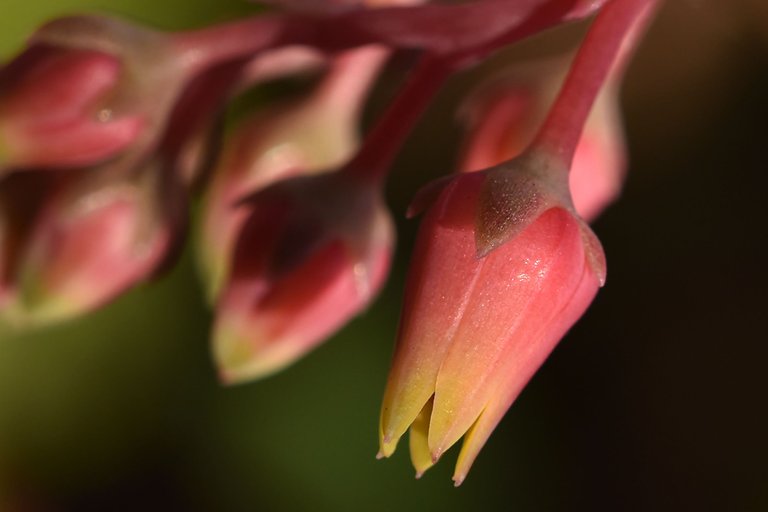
x=656 y=400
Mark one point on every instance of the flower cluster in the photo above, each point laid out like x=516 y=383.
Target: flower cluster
x=109 y=131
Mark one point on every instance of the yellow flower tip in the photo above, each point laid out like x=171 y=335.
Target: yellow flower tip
x=229 y=379
x=387 y=446
x=420 y=474
x=43 y=311
x=458 y=480
x=436 y=454
x=244 y=358
x=420 y=458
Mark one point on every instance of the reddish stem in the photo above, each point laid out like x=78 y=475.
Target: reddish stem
x=350 y=77
x=454 y=35
x=385 y=139
x=544 y=16
x=207 y=47
x=447 y=30
x=439 y=29
x=561 y=131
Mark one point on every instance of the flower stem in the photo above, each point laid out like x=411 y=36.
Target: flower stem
x=349 y=78
x=446 y=30
x=561 y=131
x=238 y=40
x=389 y=133
x=540 y=17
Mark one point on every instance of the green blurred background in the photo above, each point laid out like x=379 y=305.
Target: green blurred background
x=655 y=401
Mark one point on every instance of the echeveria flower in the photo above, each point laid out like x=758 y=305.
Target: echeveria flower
x=313 y=253
x=93 y=237
x=316 y=134
x=53 y=109
x=503 y=267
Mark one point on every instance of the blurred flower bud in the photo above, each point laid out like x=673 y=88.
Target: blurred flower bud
x=52 y=109
x=503 y=116
x=313 y=252
x=96 y=235
x=86 y=89
x=503 y=267
x=314 y=135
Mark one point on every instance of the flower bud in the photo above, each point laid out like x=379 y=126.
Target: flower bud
x=314 y=135
x=52 y=109
x=502 y=268
x=88 y=88
x=95 y=236
x=313 y=252
x=503 y=117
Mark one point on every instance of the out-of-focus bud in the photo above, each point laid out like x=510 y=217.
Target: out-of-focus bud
x=314 y=135
x=86 y=89
x=95 y=236
x=504 y=115
x=313 y=253
x=52 y=113
x=503 y=267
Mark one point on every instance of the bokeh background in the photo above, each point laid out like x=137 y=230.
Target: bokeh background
x=655 y=401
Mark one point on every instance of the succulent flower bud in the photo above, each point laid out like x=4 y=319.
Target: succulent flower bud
x=316 y=134
x=53 y=109
x=95 y=236
x=89 y=88
x=503 y=267
x=313 y=252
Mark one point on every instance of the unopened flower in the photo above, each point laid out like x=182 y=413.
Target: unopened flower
x=94 y=237
x=87 y=89
x=314 y=135
x=313 y=252
x=504 y=115
x=503 y=267
x=53 y=109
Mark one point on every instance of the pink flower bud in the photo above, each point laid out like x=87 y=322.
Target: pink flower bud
x=504 y=116
x=265 y=149
x=95 y=236
x=90 y=88
x=501 y=270
x=314 y=135
x=313 y=252
x=53 y=109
